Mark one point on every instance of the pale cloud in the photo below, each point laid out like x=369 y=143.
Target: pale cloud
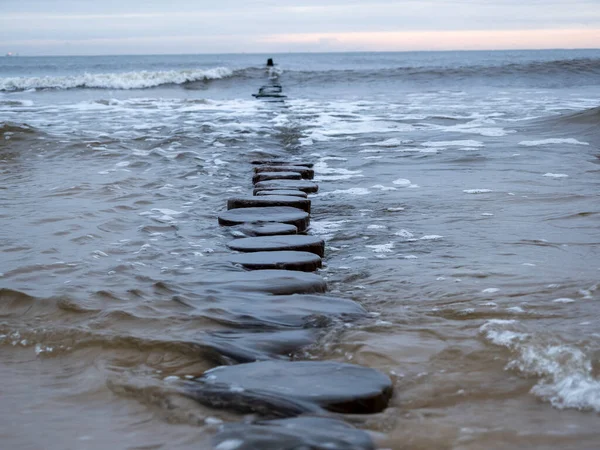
x=439 y=40
x=185 y=26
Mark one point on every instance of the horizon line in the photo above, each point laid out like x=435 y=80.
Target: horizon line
x=11 y=54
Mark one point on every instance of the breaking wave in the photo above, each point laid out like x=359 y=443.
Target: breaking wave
x=575 y=71
x=589 y=116
x=567 y=378
x=126 y=80
x=11 y=127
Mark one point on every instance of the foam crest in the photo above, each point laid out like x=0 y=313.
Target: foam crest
x=459 y=143
x=566 y=372
x=382 y=248
x=477 y=191
x=351 y=191
x=127 y=80
x=432 y=237
x=403 y=182
x=326 y=173
x=405 y=234
x=326 y=228
x=474 y=128
x=569 y=141
x=393 y=142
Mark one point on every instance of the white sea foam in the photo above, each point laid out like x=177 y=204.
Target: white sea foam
x=330 y=158
x=126 y=80
x=405 y=234
x=213 y=421
x=490 y=304
x=162 y=215
x=479 y=126
x=230 y=444
x=384 y=188
x=275 y=72
x=351 y=191
x=432 y=237
x=563 y=300
x=326 y=173
x=381 y=248
x=587 y=293
x=556 y=175
x=325 y=228
x=327 y=126
x=490 y=290
x=570 y=141
x=477 y=191
x=462 y=143
x=169 y=212
x=402 y=182
x=417 y=150
x=393 y=142
x=305 y=142
x=372 y=150
x=496 y=332
x=565 y=371
x=39 y=348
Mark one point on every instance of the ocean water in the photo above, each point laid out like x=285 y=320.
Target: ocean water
x=459 y=200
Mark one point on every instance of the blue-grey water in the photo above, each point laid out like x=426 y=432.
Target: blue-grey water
x=459 y=200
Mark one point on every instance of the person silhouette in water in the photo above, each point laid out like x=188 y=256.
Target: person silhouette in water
x=271 y=71
x=273 y=89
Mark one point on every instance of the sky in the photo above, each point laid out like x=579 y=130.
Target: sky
x=101 y=27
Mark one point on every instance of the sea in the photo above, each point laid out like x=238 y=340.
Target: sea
x=459 y=200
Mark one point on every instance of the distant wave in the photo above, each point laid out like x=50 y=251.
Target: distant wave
x=584 y=124
x=126 y=80
x=11 y=127
x=555 y=71
x=15 y=102
x=574 y=66
x=12 y=132
x=586 y=117
x=543 y=73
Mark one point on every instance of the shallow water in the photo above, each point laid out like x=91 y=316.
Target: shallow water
x=460 y=210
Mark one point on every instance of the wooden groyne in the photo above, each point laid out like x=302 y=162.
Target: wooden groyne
x=298 y=403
